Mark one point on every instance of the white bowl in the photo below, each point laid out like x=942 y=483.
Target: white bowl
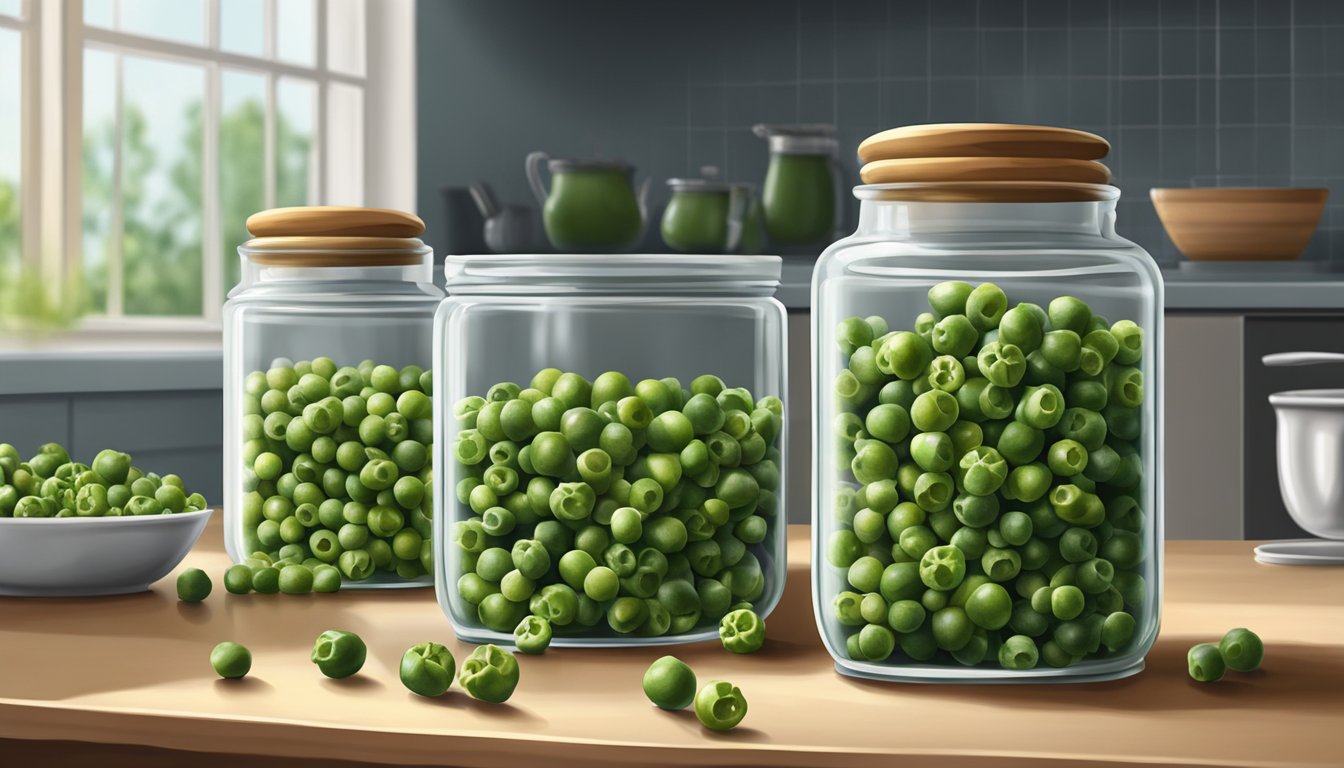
x=84 y=556
x=1311 y=458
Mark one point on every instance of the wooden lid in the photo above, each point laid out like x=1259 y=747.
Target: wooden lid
x=982 y=140
x=334 y=221
x=335 y=251
x=987 y=163
x=939 y=169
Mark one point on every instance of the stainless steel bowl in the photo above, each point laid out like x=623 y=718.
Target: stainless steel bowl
x=1311 y=458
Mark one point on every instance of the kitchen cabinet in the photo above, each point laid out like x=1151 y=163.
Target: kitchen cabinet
x=798 y=480
x=128 y=678
x=1203 y=408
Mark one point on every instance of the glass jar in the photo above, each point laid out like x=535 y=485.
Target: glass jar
x=913 y=513
x=327 y=425
x=612 y=454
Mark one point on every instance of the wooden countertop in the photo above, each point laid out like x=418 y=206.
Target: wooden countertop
x=127 y=681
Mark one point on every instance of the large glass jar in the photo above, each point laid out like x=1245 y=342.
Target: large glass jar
x=960 y=532
x=327 y=429
x=610 y=446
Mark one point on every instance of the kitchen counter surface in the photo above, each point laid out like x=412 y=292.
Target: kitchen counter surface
x=133 y=672
x=1207 y=289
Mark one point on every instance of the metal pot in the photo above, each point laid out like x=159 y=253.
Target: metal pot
x=1310 y=451
x=1311 y=458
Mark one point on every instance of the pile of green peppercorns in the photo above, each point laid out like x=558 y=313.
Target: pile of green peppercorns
x=49 y=484
x=336 y=467
x=637 y=503
x=988 y=509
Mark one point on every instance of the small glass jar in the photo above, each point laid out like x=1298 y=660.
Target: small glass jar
x=327 y=409
x=611 y=447
x=922 y=499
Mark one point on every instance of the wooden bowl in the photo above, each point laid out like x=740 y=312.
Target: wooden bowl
x=1240 y=223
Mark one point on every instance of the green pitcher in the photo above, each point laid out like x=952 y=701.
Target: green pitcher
x=801 y=198
x=704 y=215
x=591 y=206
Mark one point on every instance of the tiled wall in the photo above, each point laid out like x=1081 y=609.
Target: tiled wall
x=1189 y=92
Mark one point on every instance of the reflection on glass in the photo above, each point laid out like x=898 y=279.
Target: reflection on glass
x=345 y=145
x=161 y=187
x=345 y=36
x=99 y=185
x=11 y=243
x=242 y=162
x=242 y=26
x=180 y=20
x=294 y=38
x=295 y=170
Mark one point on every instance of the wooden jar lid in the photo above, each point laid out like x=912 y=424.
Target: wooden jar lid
x=986 y=162
x=335 y=251
x=334 y=236
x=938 y=169
x=334 y=221
x=982 y=140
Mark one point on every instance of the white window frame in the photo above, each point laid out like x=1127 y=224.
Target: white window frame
x=30 y=123
x=54 y=38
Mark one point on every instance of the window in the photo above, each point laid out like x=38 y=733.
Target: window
x=14 y=39
x=175 y=120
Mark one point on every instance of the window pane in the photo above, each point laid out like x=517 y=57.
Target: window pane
x=100 y=138
x=11 y=7
x=295 y=171
x=345 y=145
x=345 y=36
x=242 y=161
x=242 y=26
x=161 y=187
x=100 y=13
x=180 y=20
x=294 y=36
x=11 y=243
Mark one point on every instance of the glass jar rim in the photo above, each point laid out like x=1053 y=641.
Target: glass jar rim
x=613 y=273
x=988 y=192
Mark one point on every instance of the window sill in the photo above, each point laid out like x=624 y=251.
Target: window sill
x=106 y=358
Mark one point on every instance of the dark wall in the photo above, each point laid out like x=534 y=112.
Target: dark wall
x=1189 y=92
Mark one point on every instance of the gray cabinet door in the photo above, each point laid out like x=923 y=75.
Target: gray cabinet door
x=1202 y=450
x=798 y=479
